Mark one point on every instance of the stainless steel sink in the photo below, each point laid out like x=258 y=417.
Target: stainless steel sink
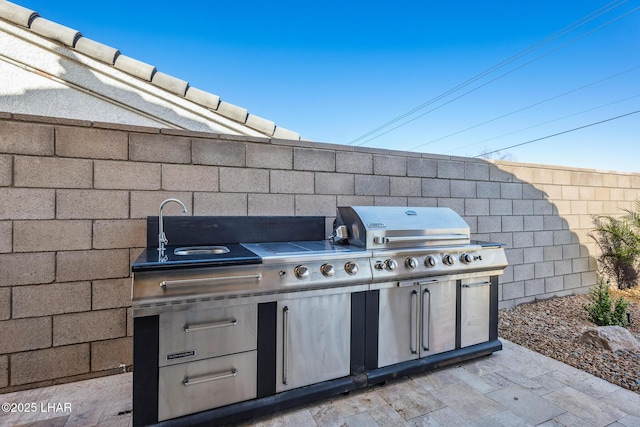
x=201 y=250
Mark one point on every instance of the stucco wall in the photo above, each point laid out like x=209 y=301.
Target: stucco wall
x=74 y=195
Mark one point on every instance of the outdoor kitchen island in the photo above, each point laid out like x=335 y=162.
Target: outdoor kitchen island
x=244 y=316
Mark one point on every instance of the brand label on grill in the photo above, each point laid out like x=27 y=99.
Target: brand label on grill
x=180 y=355
x=376 y=225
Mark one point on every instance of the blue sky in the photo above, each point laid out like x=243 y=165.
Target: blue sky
x=335 y=70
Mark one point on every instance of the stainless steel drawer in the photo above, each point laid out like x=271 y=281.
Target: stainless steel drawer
x=196 y=386
x=186 y=336
x=475 y=307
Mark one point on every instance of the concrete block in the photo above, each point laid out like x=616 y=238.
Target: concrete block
x=570 y=251
x=450 y=169
x=433 y=187
x=92 y=204
x=146 y=203
x=501 y=207
x=562 y=267
x=126 y=175
x=27 y=203
x=390 y=201
x=220 y=204
x=315 y=205
x=422 y=201
x=580 y=265
x=314 y=159
x=534 y=287
x=27 y=269
x=553 y=222
x=108 y=234
x=129 y=322
x=372 y=185
x=271 y=204
x=30 y=171
x=522 y=239
x=50 y=363
x=570 y=193
x=512 y=290
x=52 y=235
x=6 y=237
x=26 y=138
x=553 y=284
x=531 y=192
x=389 y=165
x=6 y=171
x=544 y=269
x=354 y=162
x=92 y=143
x=572 y=281
x=563 y=237
x=543 y=238
x=269 y=156
x=336 y=183
x=458 y=205
x=488 y=190
x=111 y=293
x=476 y=171
x=515 y=256
x=476 y=207
x=511 y=190
x=111 y=354
x=552 y=253
x=523 y=207
x=218 y=153
x=25 y=334
x=53 y=298
x=355 y=201
x=424 y=168
x=498 y=175
x=489 y=224
x=5 y=303
x=93 y=264
x=464 y=189
x=542 y=207
x=293 y=182
x=533 y=223
x=403 y=186
x=523 y=272
x=512 y=223
x=243 y=180
x=145 y=147
x=90 y=326
x=533 y=255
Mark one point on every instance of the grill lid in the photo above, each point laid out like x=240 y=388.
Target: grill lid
x=393 y=227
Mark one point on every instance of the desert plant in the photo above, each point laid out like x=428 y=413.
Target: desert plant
x=619 y=242
x=603 y=311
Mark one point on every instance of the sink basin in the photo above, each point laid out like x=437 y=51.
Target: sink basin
x=201 y=250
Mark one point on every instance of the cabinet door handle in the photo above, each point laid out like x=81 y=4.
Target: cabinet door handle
x=204 y=326
x=205 y=378
x=426 y=314
x=285 y=346
x=166 y=283
x=413 y=325
x=473 y=285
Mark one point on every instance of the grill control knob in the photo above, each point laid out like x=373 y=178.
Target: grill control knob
x=449 y=259
x=302 y=272
x=351 y=267
x=466 y=258
x=411 y=262
x=431 y=261
x=390 y=264
x=327 y=270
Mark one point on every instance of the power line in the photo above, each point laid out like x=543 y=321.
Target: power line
x=502 y=75
x=560 y=133
x=582 y=21
x=545 y=123
x=528 y=106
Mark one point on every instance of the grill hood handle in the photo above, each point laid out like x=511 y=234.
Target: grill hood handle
x=413 y=239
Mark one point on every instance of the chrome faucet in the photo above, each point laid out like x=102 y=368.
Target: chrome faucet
x=162 y=238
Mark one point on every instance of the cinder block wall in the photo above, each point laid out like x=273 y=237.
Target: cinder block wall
x=74 y=196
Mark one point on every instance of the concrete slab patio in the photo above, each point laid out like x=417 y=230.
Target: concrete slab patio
x=512 y=387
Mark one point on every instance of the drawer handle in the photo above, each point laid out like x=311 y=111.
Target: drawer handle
x=204 y=326
x=166 y=283
x=203 y=379
x=476 y=284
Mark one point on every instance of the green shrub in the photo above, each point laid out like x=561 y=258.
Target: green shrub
x=605 y=312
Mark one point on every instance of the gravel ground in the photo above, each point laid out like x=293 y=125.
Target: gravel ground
x=553 y=327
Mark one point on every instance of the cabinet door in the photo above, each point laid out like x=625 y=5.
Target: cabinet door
x=438 y=325
x=312 y=340
x=398 y=325
x=474 y=307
